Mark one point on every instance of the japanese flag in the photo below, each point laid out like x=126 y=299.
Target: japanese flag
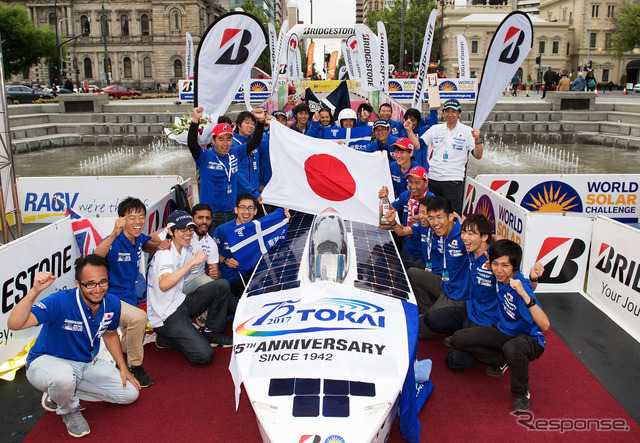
x=311 y=175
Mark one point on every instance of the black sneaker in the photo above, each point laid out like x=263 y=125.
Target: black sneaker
x=218 y=339
x=161 y=342
x=497 y=372
x=48 y=404
x=141 y=375
x=521 y=402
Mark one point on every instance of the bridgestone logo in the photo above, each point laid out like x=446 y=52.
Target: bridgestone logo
x=366 y=48
x=329 y=31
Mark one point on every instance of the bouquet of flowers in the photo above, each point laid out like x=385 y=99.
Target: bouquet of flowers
x=180 y=128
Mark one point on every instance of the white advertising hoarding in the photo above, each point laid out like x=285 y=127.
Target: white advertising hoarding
x=614 y=273
x=41 y=198
x=614 y=195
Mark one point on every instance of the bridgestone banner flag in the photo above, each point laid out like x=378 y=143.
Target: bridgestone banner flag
x=189 y=55
x=281 y=49
x=384 y=56
x=509 y=47
x=463 y=56
x=294 y=71
x=350 y=63
x=310 y=59
x=370 y=53
x=228 y=50
x=424 y=60
x=273 y=48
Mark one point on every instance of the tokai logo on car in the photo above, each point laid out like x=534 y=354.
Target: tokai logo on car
x=327 y=314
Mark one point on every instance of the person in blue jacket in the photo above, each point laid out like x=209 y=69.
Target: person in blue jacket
x=249 y=167
x=419 y=126
x=518 y=337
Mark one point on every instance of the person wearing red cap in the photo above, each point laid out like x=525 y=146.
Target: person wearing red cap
x=408 y=202
x=403 y=153
x=218 y=167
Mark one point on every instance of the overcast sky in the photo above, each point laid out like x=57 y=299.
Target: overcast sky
x=326 y=12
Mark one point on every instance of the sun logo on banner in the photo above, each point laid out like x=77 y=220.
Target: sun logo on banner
x=447 y=86
x=258 y=87
x=485 y=207
x=394 y=86
x=552 y=196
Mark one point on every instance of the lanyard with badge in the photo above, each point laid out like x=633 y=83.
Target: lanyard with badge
x=445 y=273
x=445 y=154
x=94 y=352
x=228 y=172
x=428 y=266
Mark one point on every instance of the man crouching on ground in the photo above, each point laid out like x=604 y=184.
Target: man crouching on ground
x=170 y=311
x=63 y=362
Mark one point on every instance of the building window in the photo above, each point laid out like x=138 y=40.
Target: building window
x=568 y=47
x=177 y=69
x=610 y=10
x=541 y=45
x=592 y=40
x=127 y=67
x=175 y=22
x=52 y=20
x=564 y=15
x=595 y=10
x=146 y=63
x=571 y=18
x=124 y=24
x=86 y=24
x=605 y=75
x=144 y=24
x=474 y=46
x=555 y=48
x=474 y=74
x=88 y=68
x=607 y=41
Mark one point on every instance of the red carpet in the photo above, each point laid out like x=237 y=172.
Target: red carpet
x=189 y=402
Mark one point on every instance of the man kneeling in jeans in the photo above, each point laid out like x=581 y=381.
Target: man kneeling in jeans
x=517 y=338
x=170 y=311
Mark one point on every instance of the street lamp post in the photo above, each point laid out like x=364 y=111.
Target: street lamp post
x=589 y=38
x=60 y=71
x=103 y=21
x=402 y=36
x=441 y=36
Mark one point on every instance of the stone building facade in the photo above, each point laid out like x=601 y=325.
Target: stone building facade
x=145 y=40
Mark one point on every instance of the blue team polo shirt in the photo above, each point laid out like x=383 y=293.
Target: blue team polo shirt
x=374 y=146
x=220 y=237
x=455 y=262
x=482 y=306
x=63 y=331
x=425 y=234
x=398 y=178
x=395 y=127
x=124 y=264
x=214 y=177
x=249 y=167
x=515 y=317
x=412 y=243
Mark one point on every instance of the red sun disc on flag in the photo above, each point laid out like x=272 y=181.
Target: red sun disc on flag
x=329 y=177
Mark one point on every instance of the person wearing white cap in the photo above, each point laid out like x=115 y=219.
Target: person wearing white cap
x=170 y=311
x=452 y=142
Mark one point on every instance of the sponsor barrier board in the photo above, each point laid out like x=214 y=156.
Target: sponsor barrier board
x=614 y=195
x=448 y=88
x=614 y=273
x=42 y=198
x=54 y=249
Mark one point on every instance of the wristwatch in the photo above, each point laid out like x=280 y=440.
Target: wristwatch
x=224 y=261
x=532 y=303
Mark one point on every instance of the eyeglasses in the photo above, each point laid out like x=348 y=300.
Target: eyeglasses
x=438 y=217
x=246 y=208
x=187 y=229
x=92 y=285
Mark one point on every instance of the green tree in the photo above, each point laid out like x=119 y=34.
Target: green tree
x=415 y=21
x=626 y=30
x=23 y=45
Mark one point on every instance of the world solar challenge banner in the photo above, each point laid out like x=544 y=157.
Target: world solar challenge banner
x=458 y=88
x=588 y=195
